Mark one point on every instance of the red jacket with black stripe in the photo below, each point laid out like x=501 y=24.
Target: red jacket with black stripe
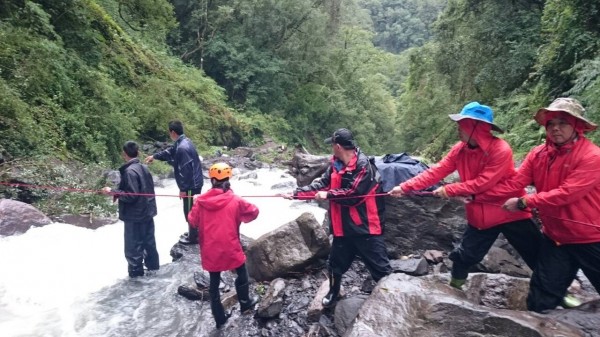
x=353 y=209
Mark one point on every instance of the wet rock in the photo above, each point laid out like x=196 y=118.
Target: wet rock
x=85 y=220
x=272 y=303
x=306 y=167
x=585 y=316
x=433 y=256
x=286 y=185
x=402 y=305
x=17 y=217
x=420 y=223
x=414 y=266
x=248 y=175
x=498 y=260
x=193 y=293
x=498 y=291
x=346 y=311
x=316 y=306
x=289 y=248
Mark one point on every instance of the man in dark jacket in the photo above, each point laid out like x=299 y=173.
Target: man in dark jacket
x=182 y=155
x=137 y=208
x=356 y=216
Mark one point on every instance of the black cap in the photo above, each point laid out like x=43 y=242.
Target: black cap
x=342 y=137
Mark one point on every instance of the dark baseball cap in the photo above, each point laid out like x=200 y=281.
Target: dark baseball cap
x=343 y=137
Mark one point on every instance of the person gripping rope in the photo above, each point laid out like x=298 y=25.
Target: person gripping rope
x=217 y=216
x=356 y=216
x=184 y=158
x=482 y=161
x=565 y=172
x=137 y=209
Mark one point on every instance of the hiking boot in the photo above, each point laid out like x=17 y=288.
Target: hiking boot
x=222 y=323
x=329 y=299
x=457 y=283
x=186 y=240
x=335 y=285
x=570 y=301
x=247 y=301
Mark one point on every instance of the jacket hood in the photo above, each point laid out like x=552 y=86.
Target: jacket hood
x=214 y=199
x=480 y=132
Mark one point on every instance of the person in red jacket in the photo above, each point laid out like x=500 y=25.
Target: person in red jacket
x=356 y=216
x=482 y=161
x=217 y=214
x=566 y=174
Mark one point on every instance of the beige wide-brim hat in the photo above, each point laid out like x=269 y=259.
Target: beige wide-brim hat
x=567 y=105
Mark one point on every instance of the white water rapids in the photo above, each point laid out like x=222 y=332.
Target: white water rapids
x=51 y=276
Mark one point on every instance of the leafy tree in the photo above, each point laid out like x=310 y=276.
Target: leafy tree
x=402 y=24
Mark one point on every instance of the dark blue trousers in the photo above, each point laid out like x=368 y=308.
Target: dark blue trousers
x=140 y=247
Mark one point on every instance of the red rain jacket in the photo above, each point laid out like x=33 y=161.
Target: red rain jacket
x=353 y=209
x=218 y=216
x=567 y=183
x=479 y=171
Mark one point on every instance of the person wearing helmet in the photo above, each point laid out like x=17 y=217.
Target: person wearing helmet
x=217 y=215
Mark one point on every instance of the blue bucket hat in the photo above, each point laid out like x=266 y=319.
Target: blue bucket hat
x=478 y=112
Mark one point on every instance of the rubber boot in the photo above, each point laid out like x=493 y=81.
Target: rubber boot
x=247 y=302
x=335 y=284
x=218 y=312
x=457 y=283
x=189 y=238
x=570 y=301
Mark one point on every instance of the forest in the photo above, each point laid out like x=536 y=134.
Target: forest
x=80 y=77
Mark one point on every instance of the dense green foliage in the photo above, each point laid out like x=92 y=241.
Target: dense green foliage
x=75 y=85
x=79 y=77
x=513 y=55
x=402 y=24
x=310 y=66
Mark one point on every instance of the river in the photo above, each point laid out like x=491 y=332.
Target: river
x=62 y=280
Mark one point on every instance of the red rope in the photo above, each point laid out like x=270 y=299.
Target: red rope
x=425 y=193
x=66 y=189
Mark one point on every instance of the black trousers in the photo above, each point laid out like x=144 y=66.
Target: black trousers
x=370 y=248
x=557 y=268
x=188 y=202
x=140 y=247
x=523 y=235
x=215 y=295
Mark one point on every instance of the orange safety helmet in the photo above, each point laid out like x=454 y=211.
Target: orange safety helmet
x=220 y=171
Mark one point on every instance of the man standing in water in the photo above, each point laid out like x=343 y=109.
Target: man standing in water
x=182 y=155
x=356 y=216
x=137 y=208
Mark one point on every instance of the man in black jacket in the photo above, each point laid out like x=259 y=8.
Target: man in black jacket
x=356 y=215
x=182 y=155
x=137 y=208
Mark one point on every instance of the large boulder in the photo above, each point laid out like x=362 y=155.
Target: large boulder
x=290 y=248
x=402 y=305
x=306 y=167
x=17 y=217
x=419 y=223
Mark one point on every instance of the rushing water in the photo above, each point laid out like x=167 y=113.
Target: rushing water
x=62 y=280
